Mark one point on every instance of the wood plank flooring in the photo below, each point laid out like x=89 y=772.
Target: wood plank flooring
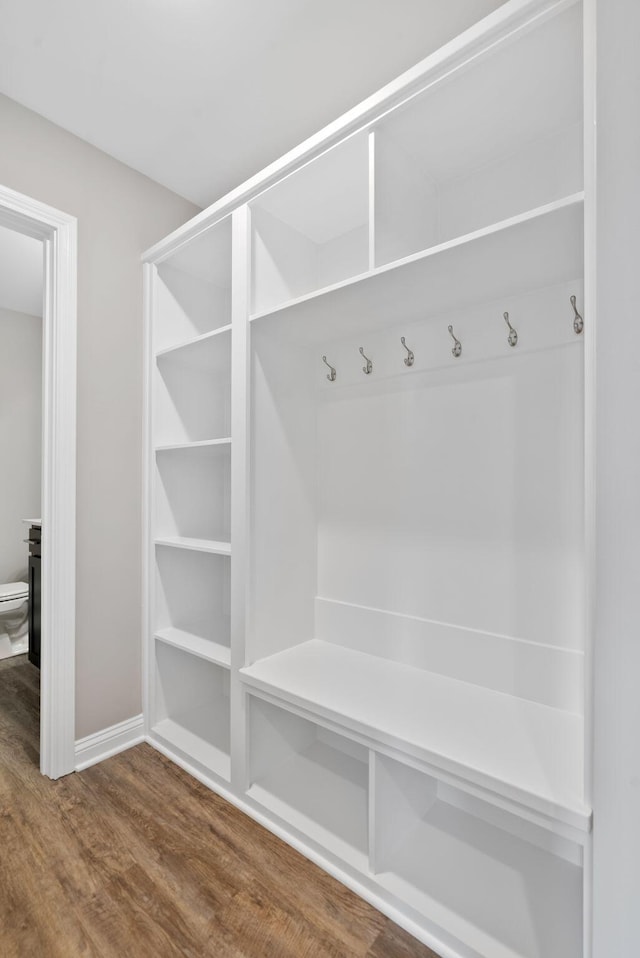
x=133 y=858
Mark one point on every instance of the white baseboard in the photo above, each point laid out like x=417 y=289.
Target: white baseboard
x=95 y=748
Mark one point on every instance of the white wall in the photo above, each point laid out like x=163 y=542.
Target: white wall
x=120 y=213
x=21 y=264
x=617 y=654
x=20 y=436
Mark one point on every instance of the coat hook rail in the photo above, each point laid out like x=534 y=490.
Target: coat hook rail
x=369 y=367
x=512 y=339
x=578 y=321
x=457 y=348
x=331 y=375
x=409 y=358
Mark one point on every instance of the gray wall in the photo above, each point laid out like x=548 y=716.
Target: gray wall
x=617 y=654
x=120 y=213
x=20 y=436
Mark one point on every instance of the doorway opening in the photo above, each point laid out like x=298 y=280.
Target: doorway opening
x=57 y=232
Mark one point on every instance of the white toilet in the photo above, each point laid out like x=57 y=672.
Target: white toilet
x=14 y=619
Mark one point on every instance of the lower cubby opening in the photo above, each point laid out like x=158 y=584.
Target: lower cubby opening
x=311 y=779
x=503 y=886
x=192 y=708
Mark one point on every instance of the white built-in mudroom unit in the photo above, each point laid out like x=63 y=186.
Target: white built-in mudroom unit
x=369 y=534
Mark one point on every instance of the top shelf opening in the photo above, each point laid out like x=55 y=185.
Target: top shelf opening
x=193 y=290
x=311 y=229
x=496 y=137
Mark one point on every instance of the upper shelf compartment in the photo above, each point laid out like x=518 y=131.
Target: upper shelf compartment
x=495 y=138
x=194 y=289
x=312 y=229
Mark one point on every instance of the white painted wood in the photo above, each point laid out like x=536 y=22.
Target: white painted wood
x=110 y=741
x=406 y=203
x=372 y=200
x=203 y=338
x=408 y=602
x=480 y=267
x=497 y=894
x=194 y=445
x=432 y=501
x=325 y=198
x=192 y=707
x=311 y=781
x=193 y=289
x=526 y=669
x=590 y=301
x=58 y=232
x=188 y=627
x=240 y=483
x=193 y=394
x=516 y=143
x=193 y=492
x=283 y=483
x=212 y=650
x=402 y=797
x=199 y=545
x=192 y=594
x=311 y=229
x=518 y=749
x=191 y=735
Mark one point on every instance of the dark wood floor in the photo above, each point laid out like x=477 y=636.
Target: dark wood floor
x=134 y=858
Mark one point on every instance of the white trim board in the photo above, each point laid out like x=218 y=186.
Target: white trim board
x=101 y=745
x=58 y=232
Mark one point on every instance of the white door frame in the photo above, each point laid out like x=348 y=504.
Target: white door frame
x=58 y=232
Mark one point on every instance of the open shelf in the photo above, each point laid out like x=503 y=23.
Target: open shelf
x=173 y=447
x=312 y=228
x=516 y=143
x=196 y=346
x=543 y=245
x=192 y=599
x=311 y=779
x=192 y=388
x=199 y=545
x=192 y=492
x=211 y=650
x=192 y=708
x=474 y=871
x=526 y=752
x=193 y=289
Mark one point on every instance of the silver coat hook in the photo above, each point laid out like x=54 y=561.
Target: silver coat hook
x=408 y=360
x=457 y=349
x=513 y=336
x=331 y=376
x=578 y=321
x=368 y=368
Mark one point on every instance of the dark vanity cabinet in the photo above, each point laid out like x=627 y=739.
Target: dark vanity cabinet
x=35 y=536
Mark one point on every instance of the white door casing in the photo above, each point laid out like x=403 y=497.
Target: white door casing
x=58 y=232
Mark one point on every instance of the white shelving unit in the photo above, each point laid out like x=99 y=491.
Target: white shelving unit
x=369 y=370
x=192 y=708
x=189 y=615
x=474 y=868
x=311 y=779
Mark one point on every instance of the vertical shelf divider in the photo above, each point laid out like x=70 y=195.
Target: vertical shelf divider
x=372 y=200
x=240 y=379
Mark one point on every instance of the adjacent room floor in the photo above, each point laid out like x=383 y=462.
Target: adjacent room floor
x=134 y=857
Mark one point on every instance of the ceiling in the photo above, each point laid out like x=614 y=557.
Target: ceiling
x=201 y=94
x=21 y=266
